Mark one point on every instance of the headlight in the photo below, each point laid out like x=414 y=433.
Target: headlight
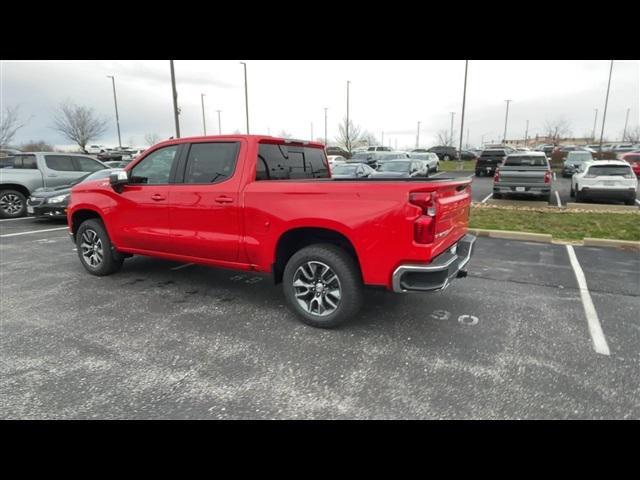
x=58 y=199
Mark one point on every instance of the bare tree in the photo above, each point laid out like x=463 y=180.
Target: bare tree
x=556 y=129
x=10 y=123
x=369 y=138
x=78 y=123
x=348 y=139
x=151 y=138
x=36 y=146
x=284 y=134
x=632 y=135
x=446 y=137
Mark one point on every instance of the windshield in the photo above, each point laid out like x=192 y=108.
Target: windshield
x=361 y=156
x=609 y=170
x=532 y=161
x=344 y=169
x=397 y=166
x=420 y=156
x=94 y=176
x=579 y=157
x=493 y=153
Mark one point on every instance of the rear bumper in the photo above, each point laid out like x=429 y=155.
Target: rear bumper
x=529 y=189
x=613 y=193
x=438 y=274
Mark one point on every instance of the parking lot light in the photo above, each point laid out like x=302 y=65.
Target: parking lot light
x=506 y=119
x=246 y=95
x=606 y=103
x=176 y=110
x=115 y=100
x=464 y=98
x=204 y=122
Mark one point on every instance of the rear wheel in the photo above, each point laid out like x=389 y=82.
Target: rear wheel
x=97 y=254
x=579 y=196
x=572 y=192
x=630 y=201
x=322 y=284
x=497 y=196
x=13 y=204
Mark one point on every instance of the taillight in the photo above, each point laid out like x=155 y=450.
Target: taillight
x=424 y=200
x=496 y=177
x=547 y=176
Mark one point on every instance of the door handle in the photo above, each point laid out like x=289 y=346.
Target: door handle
x=224 y=199
x=157 y=197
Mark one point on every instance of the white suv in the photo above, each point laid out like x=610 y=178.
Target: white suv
x=606 y=179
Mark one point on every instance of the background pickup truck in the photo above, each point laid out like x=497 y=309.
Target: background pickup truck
x=264 y=204
x=526 y=173
x=26 y=172
x=489 y=161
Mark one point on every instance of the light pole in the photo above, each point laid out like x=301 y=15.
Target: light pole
x=506 y=118
x=418 y=136
x=176 y=111
x=595 y=120
x=115 y=100
x=219 y=123
x=382 y=141
x=204 y=122
x=624 y=132
x=348 y=143
x=451 y=131
x=606 y=102
x=312 y=131
x=467 y=143
x=526 y=133
x=246 y=95
x=325 y=126
x=464 y=98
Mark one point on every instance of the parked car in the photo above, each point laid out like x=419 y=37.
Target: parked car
x=444 y=152
x=633 y=159
x=379 y=148
x=523 y=173
x=431 y=162
x=52 y=202
x=33 y=170
x=468 y=155
x=399 y=169
x=489 y=161
x=338 y=151
x=374 y=159
x=110 y=155
x=323 y=239
x=573 y=161
x=351 y=170
x=333 y=159
x=95 y=149
x=117 y=163
x=623 y=147
x=606 y=180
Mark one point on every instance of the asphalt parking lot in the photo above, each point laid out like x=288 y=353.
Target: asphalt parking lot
x=560 y=188
x=166 y=340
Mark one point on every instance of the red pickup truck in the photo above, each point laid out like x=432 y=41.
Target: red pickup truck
x=265 y=204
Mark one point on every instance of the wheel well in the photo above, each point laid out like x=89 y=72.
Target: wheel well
x=12 y=186
x=296 y=239
x=80 y=216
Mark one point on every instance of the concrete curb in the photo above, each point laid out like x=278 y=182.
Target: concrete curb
x=605 y=242
x=603 y=207
x=519 y=203
x=507 y=235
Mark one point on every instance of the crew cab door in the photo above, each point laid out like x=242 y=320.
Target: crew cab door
x=140 y=218
x=205 y=209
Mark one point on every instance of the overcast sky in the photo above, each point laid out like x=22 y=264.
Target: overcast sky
x=389 y=96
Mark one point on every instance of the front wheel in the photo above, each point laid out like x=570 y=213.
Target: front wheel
x=96 y=253
x=13 y=204
x=322 y=285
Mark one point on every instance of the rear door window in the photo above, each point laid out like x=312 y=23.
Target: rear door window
x=24 y=162
x=211 y=162
x=60 y=163
x=281 y=162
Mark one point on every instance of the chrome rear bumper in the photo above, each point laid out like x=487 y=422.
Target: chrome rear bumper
x=438 y=274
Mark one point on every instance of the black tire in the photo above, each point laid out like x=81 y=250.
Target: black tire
x=630 y=201
x=478 y=173
x=347 y=273
x=91 y=232
x=579 y=197
x=497 y=196
x=13 y=204
x=547 y=198
x=572 y=192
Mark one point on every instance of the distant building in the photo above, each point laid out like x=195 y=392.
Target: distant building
x=543 y=139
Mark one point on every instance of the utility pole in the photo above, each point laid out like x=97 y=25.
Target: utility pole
x=506 y=118
x=606 y=103
x=204 y=122
x=219 y=123
x=624 y=132
x=325 y=126
x=595 y=120
x=451 y=131
x=312 y=131
x=464 y=98
x=115 y=100
x=526 y=134
x=176 y=110
x=382 y=141
x=348 y=145
x=246 y=95
x=418 y=136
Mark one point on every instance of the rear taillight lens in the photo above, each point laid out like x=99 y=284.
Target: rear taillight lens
x=424 y=229
x=547 y=177
x=496 y=177
x=424 y=200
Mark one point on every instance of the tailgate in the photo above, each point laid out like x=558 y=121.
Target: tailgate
x=522 y=175
x=452 y=214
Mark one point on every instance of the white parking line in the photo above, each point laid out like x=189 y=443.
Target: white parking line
x=32 y=231
x=487 y=197
x=597 y=336
x=14 y=219
x=637 y=201
x=182 y=266
x=558 y=198
x=554 y=175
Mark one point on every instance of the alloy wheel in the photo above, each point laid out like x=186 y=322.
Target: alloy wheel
x=317 y=288
x=92 y=251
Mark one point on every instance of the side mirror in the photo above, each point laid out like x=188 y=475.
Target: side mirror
x=118 y=180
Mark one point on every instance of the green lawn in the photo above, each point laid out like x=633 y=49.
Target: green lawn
x=562 y=225
x=453 y=165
